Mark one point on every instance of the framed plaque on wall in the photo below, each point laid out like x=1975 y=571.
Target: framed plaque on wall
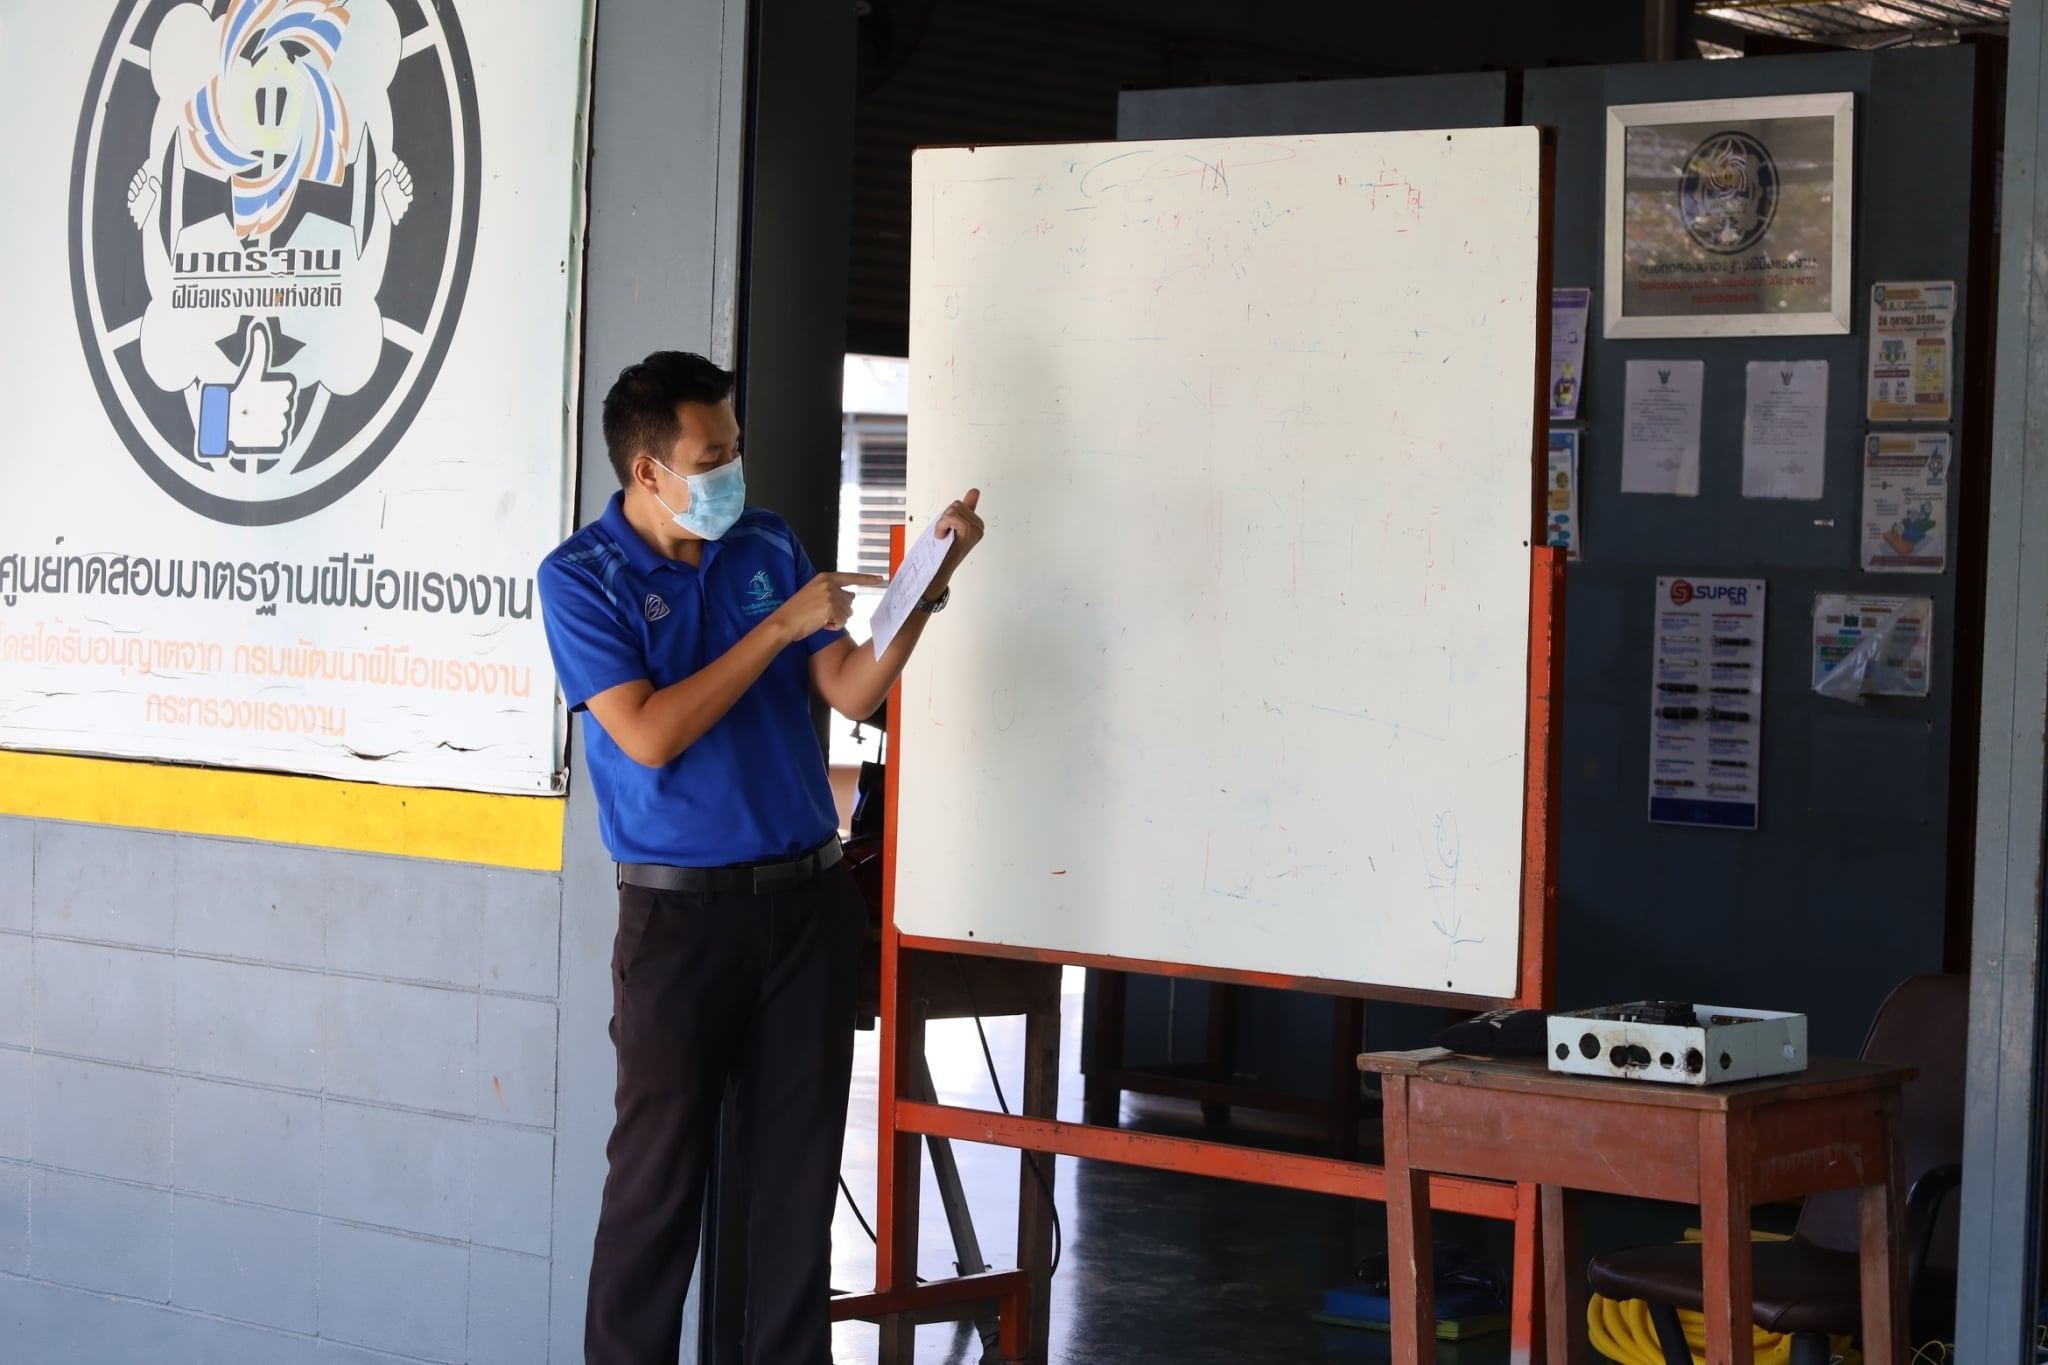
x=1730 y=217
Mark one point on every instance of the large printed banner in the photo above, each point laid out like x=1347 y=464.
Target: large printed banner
x=286 y=349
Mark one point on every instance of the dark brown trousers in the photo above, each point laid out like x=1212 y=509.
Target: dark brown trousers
x=707 y=989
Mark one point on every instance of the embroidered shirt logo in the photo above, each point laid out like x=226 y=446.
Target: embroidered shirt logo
x=654 y=607
x=761 y=598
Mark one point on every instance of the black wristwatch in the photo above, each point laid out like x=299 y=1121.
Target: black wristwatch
x=930 y=607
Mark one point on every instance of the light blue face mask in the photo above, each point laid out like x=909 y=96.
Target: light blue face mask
x=716 y=500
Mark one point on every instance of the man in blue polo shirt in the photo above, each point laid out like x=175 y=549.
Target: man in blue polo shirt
x=694 y=631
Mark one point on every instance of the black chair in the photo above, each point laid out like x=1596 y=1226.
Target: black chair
x=1807 y=1287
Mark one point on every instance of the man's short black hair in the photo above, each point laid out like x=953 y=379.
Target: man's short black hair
x=640 y=411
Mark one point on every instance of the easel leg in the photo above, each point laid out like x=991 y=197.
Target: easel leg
x=901 y=1151
x=1347 y=1035
x=1103 y=1099
x=953 y=1197
x=1564 y=1274
x=1222 y=1054
x=1041 y=1099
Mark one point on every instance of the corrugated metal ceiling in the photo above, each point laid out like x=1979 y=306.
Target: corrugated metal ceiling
x=1864 y=22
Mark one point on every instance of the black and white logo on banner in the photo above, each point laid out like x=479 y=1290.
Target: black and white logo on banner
x=273 y=217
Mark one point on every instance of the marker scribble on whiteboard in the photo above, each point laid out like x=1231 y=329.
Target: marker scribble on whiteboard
x=1088 y=186
x=1442 y=857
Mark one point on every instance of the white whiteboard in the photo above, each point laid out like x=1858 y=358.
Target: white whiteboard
x=1238 y=678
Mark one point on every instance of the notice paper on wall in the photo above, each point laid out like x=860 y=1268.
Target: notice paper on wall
x=1561 y=494
x=1905 y=503
x=1660 y=450
x=1706 y=702
x=1569 y=309
x=1784 y=429
x=1911 y=329
x=920 y=565
x=1871 y=646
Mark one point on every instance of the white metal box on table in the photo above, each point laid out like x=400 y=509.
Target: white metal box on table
x=1677 y=1044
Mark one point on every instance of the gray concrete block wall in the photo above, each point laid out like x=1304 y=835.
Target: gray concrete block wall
x=282 y=1103
x=16 y=1080
x=13 y=1218
x=395 y=1293
x=508 y=1307
x=246 y=1263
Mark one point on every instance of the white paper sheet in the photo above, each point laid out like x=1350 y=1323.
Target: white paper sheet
x=1785 y=429
x=1661 y=450
x=920 y=565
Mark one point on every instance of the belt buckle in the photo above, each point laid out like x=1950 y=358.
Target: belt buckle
x=783 y=874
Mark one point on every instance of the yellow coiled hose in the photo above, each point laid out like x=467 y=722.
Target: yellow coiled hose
x=1624 y=1333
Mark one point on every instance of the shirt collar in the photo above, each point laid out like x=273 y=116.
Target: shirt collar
x=644 y=558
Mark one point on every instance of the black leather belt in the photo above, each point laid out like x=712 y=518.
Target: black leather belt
x=754 y=879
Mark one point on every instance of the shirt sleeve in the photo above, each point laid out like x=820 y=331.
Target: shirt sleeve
x=593 y=650
x=804 y=574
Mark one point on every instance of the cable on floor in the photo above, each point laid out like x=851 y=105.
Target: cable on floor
x=1030 y=1158
x=862 y=1220
x=858 y=1216
x=988 y=1056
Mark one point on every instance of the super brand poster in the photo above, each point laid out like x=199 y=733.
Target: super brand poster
x=1706 y=702
x=290 y=381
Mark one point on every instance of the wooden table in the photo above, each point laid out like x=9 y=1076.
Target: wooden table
x=1834 y=1126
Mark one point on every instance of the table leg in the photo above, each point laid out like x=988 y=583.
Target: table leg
x=1882 y=1254
x=1041 y=1099
x=1564 y=1277
x=1410 y=1257
x=1725 y=1251
x=1525 y=1282
x=1102 y=1099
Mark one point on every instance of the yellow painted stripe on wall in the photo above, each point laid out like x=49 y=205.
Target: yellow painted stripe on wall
x=361 y=817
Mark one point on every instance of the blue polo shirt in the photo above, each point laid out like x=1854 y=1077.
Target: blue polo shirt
x=754 y=787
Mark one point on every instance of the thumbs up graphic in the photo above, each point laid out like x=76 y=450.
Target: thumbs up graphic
x=254 y=413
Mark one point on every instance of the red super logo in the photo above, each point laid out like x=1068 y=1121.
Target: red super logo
x=1681 y=592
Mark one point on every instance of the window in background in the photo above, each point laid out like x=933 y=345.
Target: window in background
x=873 y=469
